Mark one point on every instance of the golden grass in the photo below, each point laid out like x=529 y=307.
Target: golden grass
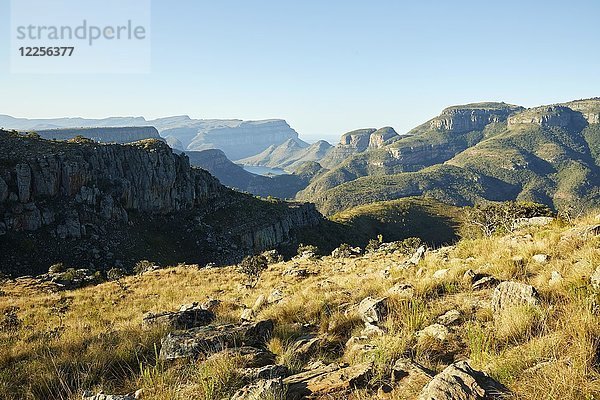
x=91 y=338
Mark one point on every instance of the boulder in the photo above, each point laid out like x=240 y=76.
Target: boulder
x=307 y=345
x=484 y=282
x=405 y=370
x=275 y=297
x=266 y=372
x=261 y=389
x=402 y=290
x=207 y=340
x=449 y=318
x=436 y=331
x=555 y=278
x=373 y=310
x=509 y=294
x=186 y=318
x=540 y=258
x=461 y=382
x=327 y=380
x=417 y=256
x=371 y=330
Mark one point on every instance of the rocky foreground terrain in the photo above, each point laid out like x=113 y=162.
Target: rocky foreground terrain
x=508 y=316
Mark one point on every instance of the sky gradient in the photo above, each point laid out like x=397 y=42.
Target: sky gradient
x=330 y=67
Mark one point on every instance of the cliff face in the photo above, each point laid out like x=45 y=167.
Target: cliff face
x=245 y=139
x=472 y=117
x=102 y=195
x=102 y=135
x=549 y=116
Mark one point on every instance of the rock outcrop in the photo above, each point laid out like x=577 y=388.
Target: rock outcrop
x=461 y=382
x=472 y=117
x=548 y=116
x=110 y=198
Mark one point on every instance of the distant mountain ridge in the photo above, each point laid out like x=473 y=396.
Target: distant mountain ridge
x=477 y=152
x=237 y=138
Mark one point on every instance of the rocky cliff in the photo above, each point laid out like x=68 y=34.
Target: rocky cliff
x=289 y=155
x=472 y=117
x=102 y=135
x=244 y=139
x=549 y=116
x=107 y=205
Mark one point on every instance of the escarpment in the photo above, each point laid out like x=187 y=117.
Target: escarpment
x=112 y=205
x=127 y=134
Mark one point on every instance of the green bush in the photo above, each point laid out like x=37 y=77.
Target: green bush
x=498 y=217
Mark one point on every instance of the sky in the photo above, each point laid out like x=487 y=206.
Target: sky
x=328 y=67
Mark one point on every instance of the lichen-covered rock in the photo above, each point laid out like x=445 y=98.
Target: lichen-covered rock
x=373 y=310
x=207 y=340
x=327 y=380
x=261 y=389
x=595 y=279
x=461 y=382
x=509 y=294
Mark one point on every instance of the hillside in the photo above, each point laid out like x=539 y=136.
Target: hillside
x=236 y=177
x=96 y=206
x=289 y=155
x=483 y=151
x=510 y=317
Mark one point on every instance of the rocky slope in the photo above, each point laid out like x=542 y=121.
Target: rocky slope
x=105 y=205
x=508 y=316
x=477 y=152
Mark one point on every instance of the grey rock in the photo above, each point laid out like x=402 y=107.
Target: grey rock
x=484 y=282
x=404 y=290
x=184 y=319
x=327 y=380
x=461 y=382
x=373 y=310
x=266 y=372
x=23 y=176
x=451 y=317
x=509 y=294
x=436 y=331
x=207 y=340
x=405 y=369
x=261 y=389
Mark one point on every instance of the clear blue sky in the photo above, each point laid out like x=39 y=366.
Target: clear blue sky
x=332 y=66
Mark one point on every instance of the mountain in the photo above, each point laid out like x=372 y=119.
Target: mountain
x=477 y=152
x=236 y=177
x=237 y=138
x=358 y=141
x=288 y=155
x=96 y=205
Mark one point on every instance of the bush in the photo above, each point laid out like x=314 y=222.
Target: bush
x=498 y=218
x=142 y=266
x=253 y=265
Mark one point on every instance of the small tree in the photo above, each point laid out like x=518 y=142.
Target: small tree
x=253 y=266
x=116 y=275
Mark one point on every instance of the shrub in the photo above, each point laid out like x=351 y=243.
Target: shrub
x=253 y=266
x=498 y=217
x=142 y=266
x=56 y=268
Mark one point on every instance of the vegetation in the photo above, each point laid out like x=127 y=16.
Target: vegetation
x=55 y=345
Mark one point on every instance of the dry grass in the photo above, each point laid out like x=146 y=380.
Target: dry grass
x=53 y=346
